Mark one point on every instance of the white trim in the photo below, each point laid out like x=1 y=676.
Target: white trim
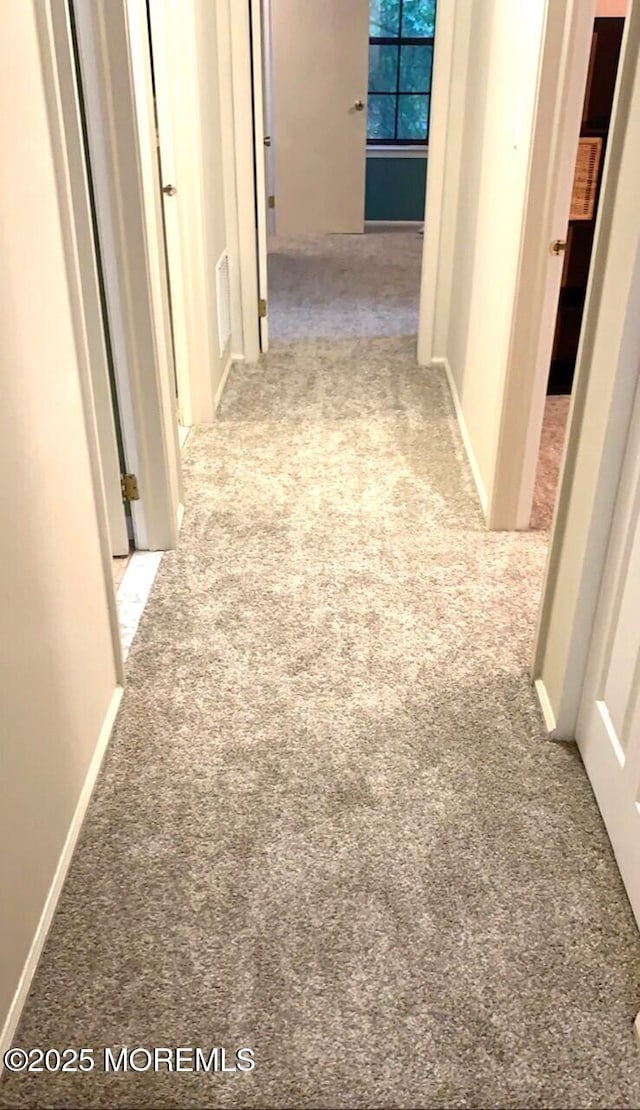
x=436 y=183
x=546 y=707
x=37 y=945
x=115 y=60
x=255 y=16
x=229 y=175
x=443 y=364
x=398 y=152
x=392 y=225
x=183 y=434
x=562 y=77
x=242 y=150
x=56 y=50
x=606 y=375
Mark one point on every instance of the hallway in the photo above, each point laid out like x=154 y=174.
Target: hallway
x=329 y=826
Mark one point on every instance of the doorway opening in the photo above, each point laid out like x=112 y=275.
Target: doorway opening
x=136 y=416
x=341 y=100
x=577 y=248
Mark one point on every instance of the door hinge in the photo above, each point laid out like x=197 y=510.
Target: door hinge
x=262 y=308
x=267 y=140
x=129 y=487
x=271 y=201
x=558 y=246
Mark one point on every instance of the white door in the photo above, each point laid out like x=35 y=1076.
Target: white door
x=608 y=729
x=95 y=321
x=168 y=86
x=320 y=67
x=258 y=43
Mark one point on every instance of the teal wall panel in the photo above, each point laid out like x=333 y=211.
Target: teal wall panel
x=395 y=188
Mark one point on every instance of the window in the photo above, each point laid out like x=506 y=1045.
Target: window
x=400 y=63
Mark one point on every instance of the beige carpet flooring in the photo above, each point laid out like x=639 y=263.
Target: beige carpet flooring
x=329 y=826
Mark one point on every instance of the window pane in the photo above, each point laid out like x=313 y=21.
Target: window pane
x=418 y=18
x=384 y=19
x=415 y=68
x=381 y=120
x=383 y=68
x=412 y=117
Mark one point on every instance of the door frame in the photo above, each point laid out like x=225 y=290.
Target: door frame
x=115 y=60
x=240 y=149
x=559 y=104
x=257 y=15
x=67 y=142
x=242 y=155
x=79 y=183
x=606 y=373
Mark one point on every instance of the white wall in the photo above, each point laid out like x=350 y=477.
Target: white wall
x=57 y=665
x=497 y=44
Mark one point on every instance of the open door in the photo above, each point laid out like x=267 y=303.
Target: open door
x=320 y=78
x=262 y=150
x=166 y=58
x=98 y=338
x=115 y=72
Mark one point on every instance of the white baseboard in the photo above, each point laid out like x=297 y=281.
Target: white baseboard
x=35 y=951
x=546 y=707
x=393 y=225
x=443 y=363
x=223 y=382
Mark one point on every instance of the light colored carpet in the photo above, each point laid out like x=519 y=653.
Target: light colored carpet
x=554 y=428
x=345 y=286
x=329 y=826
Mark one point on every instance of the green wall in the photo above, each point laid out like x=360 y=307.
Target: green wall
x=395 y=188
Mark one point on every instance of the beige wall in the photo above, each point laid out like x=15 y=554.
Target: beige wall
x=611 y=7
x=57 y=669
x=491 y=160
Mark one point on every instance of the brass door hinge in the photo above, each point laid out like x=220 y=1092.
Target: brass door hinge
x=262 y=308
x=271 y=201
x=129 y=487
x=558 y=246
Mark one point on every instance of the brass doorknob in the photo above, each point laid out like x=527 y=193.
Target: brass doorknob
x=169 y=190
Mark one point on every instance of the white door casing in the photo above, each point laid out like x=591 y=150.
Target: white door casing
x=608 y=728
x=93 y=313
x=562 y=80
x=320 y=71
x=258 y=71
x=115 y=61
x=267 y=87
